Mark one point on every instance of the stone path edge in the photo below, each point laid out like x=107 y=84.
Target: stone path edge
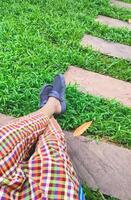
x=111 y=22
x=121 y=4
x=105 y=47
x=101 y=165
x=99 y=85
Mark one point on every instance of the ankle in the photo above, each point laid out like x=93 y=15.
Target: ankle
x=54 y=104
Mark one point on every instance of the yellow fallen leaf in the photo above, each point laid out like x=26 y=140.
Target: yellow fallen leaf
x=81 y=129
x=129 y=21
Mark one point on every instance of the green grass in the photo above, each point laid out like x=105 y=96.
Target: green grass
x=39 y=39
x=95 y=195
x=110 y=118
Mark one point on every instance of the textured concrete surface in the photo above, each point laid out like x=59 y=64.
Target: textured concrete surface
x=106 y=47
x=101 y=165
x=99 y=85
x=121 y=4
x=5 y=119
x=113 y=22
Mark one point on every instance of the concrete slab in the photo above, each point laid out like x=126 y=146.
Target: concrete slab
x=106 y=47
x=101 y=165
x=121 y=4
x=99 y=85
x=5 y=119
x=113 y=22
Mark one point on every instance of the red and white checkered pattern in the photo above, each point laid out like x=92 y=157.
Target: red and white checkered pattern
x=48 y=174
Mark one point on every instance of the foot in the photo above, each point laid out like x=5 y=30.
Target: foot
x=44 y=94
x=58 y=92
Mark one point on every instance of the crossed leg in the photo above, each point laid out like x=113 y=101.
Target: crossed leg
x=48 y=174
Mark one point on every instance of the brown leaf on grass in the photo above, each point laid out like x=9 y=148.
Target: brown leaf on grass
x=81 y=129
x=129 y=21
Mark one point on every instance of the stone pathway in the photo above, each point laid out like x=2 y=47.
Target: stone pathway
x=121 y=4
x=101 y=165
x=104 y=166
x=100 y=85
x=113 y=22
x=4 y=119
x=106 y=47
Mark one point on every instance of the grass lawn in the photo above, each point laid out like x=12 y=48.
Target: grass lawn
x=39 y=39
x=96 y=195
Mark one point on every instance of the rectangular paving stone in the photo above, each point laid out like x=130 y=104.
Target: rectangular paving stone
x=99 y=85
x=5 y=119
x=113 y=22
x=101 y=165
x=106 y=47
x=121 y=4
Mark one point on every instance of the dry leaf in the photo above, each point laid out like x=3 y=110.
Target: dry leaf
x=129 y=21
x=81 y=129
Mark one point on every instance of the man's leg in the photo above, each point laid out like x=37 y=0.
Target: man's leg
x=57 y=179
x=17 y=138
x=48 y=174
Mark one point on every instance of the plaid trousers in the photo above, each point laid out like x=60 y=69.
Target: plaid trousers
x=48 y=173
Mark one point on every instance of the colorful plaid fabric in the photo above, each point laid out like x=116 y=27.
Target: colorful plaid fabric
x=48 y=173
